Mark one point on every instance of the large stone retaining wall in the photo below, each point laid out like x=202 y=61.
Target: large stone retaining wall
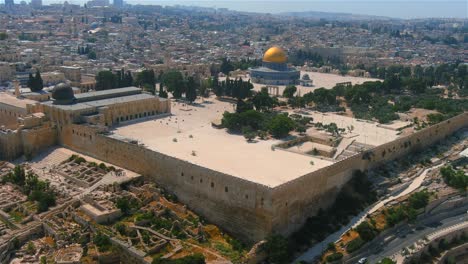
x=298 y=199
x=239 y=206
x=244 y=208
x=14 y=143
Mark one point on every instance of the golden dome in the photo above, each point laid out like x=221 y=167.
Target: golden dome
x=276 y=55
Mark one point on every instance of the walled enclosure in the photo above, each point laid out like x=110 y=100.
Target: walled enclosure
x=246 y=209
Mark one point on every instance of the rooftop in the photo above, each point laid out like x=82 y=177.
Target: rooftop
x=216 y=149
x=100 y=103
x=11 y=100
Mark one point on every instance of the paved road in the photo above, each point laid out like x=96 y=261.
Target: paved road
x=408 y=235
x=317 y=249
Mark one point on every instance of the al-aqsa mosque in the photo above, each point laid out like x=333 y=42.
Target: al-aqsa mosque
x=274 y=70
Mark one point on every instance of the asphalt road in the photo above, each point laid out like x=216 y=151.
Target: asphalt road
x=409 y=234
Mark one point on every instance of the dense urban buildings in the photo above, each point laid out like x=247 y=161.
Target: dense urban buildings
x=151 y=134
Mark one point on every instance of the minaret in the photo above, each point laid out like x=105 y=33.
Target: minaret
x=17 y=88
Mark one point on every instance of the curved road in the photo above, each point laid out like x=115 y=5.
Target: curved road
x=317 y=249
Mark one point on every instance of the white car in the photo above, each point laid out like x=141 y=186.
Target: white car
x=362 y=261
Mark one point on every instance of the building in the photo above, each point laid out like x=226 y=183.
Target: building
x=9 y=4
x=36 y=3
x=97 y=3
x=274 y=70
x=118 y=3
x=5 y=72
x=104 y=108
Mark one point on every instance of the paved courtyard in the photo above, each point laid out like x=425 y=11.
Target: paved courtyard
x=199 y=143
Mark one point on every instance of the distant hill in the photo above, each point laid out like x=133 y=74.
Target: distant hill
x=333 y=16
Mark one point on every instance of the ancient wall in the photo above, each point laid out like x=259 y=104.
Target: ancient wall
x=245 y=208
x=37 y=139
x=11 y=146
x=298 y=199
x=239 y=206
x=15 y=143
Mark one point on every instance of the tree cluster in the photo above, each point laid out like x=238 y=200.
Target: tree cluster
x=106 y=80
x=236 y=88
x=407 y=211
x=227 y=65
x=454 y=178
x=147 y=80
x=253 y=121
x=35 y=83
x=36 y=190
x=179 y=85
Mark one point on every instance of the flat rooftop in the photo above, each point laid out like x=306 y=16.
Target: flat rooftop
x=11 y=100
x=105 y=94
x=216 y=149
x=100 y=103
x=188 y=135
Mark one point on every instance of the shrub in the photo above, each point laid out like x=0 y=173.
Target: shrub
x=276 y=248
x=366 y=231
x=354 y=245
x=335 y=256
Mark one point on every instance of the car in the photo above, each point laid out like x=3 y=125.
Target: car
x=362 y=261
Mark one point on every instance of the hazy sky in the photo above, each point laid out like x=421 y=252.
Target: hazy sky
x=391 y=8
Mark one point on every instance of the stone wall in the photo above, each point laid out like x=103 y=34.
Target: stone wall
x=318 y=189
x=241 y=207
x=37 y=139
x=244 y=208
x=15 y=143
x=11 y=146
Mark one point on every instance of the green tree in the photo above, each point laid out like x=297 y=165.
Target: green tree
x=289 y=91
x=281 y=125
x=262 y=100
x=102 y=241
x=191 y=93
x=123 y=204
x=3 y=36
x=366 y=231
x=106 y=80
x=276 y=248
x=226 y=66
x=92 y=55
x=248 y=133
x=174 y=81
x=146 y=78
x=35 y=83
x=419 y=199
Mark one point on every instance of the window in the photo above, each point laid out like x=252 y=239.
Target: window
x=226 y=189
x=182 y=174
x=212 y=184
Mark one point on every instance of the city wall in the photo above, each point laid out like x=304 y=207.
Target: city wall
x=244 y=208
x=14 y=143
x=298 y=199
x=239 y=206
